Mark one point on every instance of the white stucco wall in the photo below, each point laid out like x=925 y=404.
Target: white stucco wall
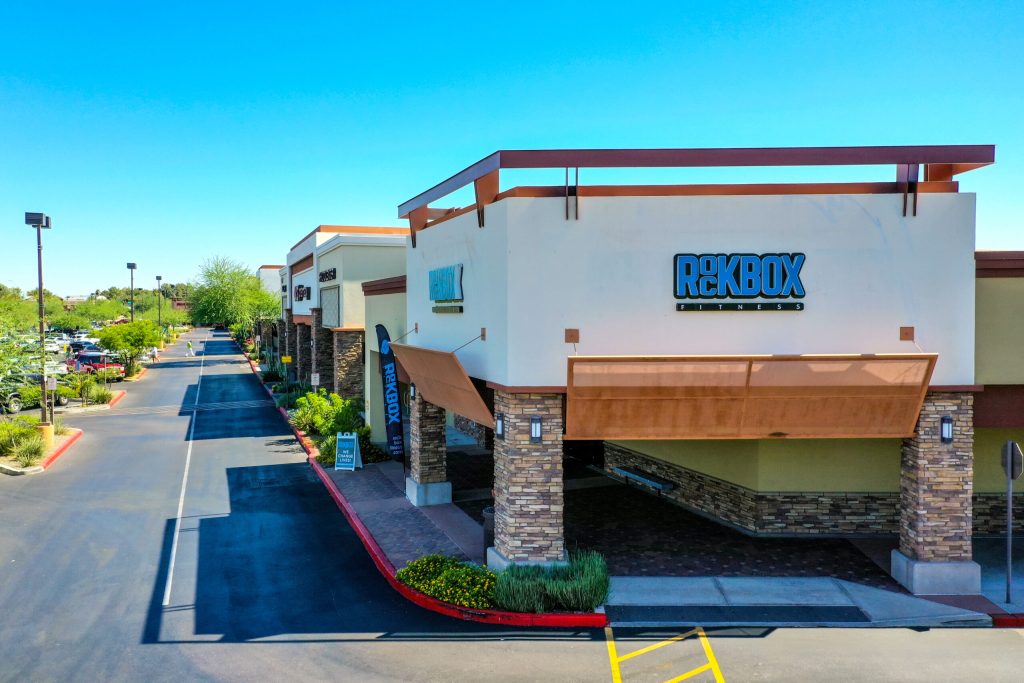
x=360 y=264
x=529 y=274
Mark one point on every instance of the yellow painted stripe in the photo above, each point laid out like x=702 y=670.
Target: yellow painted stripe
x=650 y=648
x=719 y=678
x=690 y=674
x=613 y=659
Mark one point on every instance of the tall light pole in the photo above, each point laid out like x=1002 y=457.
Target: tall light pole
x=131 y=291
x=40 y=221
x=159 y=306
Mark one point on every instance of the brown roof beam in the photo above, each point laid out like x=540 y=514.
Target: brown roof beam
x=958 y=157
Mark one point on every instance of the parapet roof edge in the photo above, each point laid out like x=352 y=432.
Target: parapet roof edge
x=958 y=159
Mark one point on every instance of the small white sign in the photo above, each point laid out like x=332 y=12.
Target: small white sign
x=51 y=383
x=315 y=379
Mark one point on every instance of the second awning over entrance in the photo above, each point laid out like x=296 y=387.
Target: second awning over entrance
x=746 y=397
x=441 y=379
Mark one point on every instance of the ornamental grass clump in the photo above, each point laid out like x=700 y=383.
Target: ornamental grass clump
x=13 y=432
x=450 y=580
x=29 y=450
x=100 y=394
x=582 y=586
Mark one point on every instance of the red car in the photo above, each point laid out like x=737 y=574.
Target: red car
x=90 y=361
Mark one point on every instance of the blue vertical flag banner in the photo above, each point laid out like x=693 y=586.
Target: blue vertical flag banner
x=392 y=405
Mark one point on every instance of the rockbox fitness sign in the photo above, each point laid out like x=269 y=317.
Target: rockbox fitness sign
x=739 y=282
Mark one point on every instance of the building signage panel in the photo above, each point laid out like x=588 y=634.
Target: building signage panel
x=302 y=292
x=392 y=404
x=446 y=288
x=328 y=275
x=739 y=282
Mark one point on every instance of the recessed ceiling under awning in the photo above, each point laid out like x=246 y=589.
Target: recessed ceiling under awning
x=746 y=397
x=441 y=380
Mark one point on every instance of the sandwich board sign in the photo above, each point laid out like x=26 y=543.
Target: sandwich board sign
x=346 y=454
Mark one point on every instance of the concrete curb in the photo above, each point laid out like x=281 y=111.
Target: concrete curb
x=137 y=377
x=62 y=449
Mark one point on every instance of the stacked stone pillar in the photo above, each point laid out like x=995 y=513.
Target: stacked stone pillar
x=936 y=482
x=323 y=350
x=290 y=335
x=303 y=353
x=347 y=364
x=528 y=482
x=427 y=483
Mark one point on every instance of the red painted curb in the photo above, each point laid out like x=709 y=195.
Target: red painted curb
x=487 y=616
x=62 y=449
x=136 y=378
x=1007 y=620
x=118 y=395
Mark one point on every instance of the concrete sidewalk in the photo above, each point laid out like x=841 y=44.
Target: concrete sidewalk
x=773 y=601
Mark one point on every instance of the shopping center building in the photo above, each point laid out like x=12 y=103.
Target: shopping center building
x=827 y=359
x=322 y=323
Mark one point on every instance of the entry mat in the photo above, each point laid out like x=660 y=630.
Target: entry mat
x=687 y=615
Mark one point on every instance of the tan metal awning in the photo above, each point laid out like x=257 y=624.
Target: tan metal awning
x=746 y=397
x=441 y=379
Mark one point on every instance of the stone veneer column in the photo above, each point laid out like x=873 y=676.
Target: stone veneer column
x=303 y=353
x=347 y=364
x=936 y=482
x=427 y=483
x=323 y=351
x=279 y=341
x=290 y=334
x=528 y=485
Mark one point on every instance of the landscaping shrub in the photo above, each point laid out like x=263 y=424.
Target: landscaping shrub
x=581 y=586
x=327 y=447
x=445 y=578
x=29 y=450
x=320 y=413
x=30 y=396
x=66 y=391
x=13 y=432
x=271 y=375
x=100 y=394
x=59 y=428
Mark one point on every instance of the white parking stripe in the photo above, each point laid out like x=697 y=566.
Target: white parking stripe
x=184 y=480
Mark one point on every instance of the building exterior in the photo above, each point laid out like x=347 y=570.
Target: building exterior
x=322 y=301
x=788 y=359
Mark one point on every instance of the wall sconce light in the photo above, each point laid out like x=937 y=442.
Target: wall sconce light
x=535 y=429
x=412 y=391
x=499 y=425
x=946 y=429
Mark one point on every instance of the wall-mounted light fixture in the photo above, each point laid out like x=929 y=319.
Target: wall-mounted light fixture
x=534 y=429
x=946 y=429
x=499 y=425
x=412 y=391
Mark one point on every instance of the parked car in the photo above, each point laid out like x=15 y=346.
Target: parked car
x=79 y=346
x=59 y=399
x=84 y=337
x=10 y=393
x=91 y=361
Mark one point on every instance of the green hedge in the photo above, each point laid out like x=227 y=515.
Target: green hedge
x=445 y=578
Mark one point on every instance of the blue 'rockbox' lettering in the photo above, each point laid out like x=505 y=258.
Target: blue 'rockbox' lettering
x=739 y=276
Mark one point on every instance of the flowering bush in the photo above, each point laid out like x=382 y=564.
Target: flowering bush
x=445 y=578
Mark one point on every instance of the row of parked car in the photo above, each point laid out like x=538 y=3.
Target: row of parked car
x=74 y=352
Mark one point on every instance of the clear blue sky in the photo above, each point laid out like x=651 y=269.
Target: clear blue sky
x=164 y=133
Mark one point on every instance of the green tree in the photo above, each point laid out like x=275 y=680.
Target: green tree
x=130 y=341
x=227 y=292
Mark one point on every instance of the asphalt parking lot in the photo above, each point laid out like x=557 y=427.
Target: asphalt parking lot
x=270 y=583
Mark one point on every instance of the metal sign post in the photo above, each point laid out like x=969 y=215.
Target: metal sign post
x=1013 y=463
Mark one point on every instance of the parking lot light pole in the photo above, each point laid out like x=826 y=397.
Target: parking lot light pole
x=159 y=306
x=131 y=290
x=40 y=221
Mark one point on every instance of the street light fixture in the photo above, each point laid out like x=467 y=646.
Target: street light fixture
x=131 y=291
x=159 y=305
x=40 y=221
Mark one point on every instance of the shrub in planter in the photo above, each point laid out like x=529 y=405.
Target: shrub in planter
x=581 y=586
x=30 y=396
x=13 y=432
x=100 y=394
x=271 y=375
x=59 y=428
x=29 y=450
x=445 y=578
